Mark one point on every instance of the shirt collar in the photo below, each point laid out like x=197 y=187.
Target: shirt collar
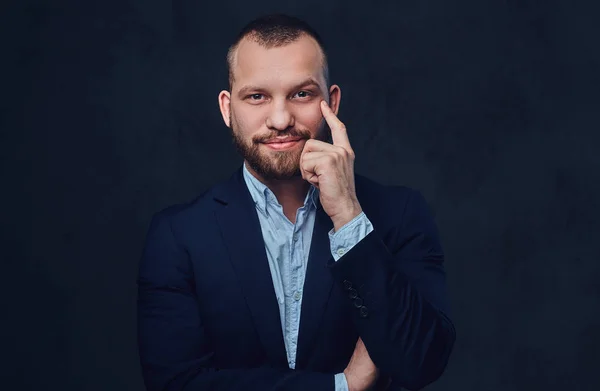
x=262 y=195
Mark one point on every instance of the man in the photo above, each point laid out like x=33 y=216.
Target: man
x=294 y=274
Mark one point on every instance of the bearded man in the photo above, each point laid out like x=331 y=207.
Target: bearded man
x=295 y=273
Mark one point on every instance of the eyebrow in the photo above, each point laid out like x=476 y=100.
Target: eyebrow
x=308 y=82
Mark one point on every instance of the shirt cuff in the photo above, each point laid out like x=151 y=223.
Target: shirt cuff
x=349 y=235
x=341 y=384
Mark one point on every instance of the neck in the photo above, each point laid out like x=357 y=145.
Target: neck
x=289 y=192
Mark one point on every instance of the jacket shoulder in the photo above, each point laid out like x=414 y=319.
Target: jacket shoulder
x=390 y=205
x=192 y=209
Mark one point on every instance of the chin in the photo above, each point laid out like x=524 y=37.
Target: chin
x=282 y=174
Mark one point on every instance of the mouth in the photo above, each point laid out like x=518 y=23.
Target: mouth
x=279 y=144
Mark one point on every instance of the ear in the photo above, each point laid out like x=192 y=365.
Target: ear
x=225 y=106
x=335 y=96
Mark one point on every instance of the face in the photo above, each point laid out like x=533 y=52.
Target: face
x=276 y=95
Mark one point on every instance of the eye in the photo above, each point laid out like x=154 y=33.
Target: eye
x=255 y=96
x=303 y=94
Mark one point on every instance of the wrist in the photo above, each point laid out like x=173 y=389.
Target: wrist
x=350 y=212
x=351 y=381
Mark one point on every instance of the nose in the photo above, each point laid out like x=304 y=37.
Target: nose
x=280 y=117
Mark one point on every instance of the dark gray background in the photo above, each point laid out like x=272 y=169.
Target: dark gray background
x=490 y=108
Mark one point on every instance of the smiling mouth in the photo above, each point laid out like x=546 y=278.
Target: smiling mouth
x=278 y=145
x=282 y=140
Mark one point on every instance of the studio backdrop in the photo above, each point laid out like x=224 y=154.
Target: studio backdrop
x=109 y=113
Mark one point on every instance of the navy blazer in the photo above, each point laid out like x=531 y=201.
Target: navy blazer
x=208 y=317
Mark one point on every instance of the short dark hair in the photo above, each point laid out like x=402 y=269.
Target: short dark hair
x=275 y=30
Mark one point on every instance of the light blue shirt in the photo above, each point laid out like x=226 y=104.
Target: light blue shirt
x=288 y=246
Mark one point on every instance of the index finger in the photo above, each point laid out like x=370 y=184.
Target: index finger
x=338 y=129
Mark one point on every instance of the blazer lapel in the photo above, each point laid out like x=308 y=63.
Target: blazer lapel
x=239 y=224
x=317 y=287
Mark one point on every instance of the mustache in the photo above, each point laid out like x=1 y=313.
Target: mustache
x=305 y=134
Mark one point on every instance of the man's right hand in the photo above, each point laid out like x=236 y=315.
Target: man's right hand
x=360 y=373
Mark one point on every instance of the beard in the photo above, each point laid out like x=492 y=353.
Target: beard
x=275 y=165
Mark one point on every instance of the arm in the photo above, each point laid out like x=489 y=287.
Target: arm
x=174 y=349
x=399 y=298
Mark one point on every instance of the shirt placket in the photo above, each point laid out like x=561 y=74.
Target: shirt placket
x=296 y=280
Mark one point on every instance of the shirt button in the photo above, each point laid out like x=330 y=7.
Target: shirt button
x=297 y=295
x=341 y=251
x=296 y=238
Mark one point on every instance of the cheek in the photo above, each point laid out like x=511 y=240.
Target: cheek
x=310 y=118
x=249 y=121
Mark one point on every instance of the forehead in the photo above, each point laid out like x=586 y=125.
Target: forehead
x=258 y=65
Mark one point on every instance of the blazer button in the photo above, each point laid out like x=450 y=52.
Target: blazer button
x=347 y=284
x=358 y=302
x=353 y=294
x=363 y=312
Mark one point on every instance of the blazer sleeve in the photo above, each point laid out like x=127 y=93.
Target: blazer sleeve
x=173 y=346
x=398 y=295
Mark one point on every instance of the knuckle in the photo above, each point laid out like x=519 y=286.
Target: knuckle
x=344 y=152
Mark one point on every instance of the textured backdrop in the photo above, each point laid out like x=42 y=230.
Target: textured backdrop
x=490 y=108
